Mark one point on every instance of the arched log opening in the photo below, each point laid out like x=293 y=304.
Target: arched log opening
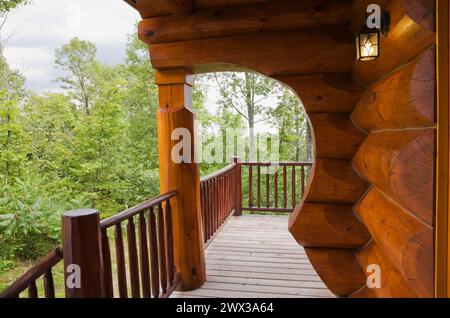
x=351 y=105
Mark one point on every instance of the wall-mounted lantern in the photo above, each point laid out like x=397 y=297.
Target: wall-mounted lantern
x=368 y=39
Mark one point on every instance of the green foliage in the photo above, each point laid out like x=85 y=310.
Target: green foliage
x=77 y=59
x=290 y=120
x=8 y=5
x=94 y=145
x=31 y=217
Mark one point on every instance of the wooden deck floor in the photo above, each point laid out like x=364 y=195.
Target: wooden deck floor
x=256 y=257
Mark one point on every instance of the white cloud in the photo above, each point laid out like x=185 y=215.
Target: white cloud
x=37 y=30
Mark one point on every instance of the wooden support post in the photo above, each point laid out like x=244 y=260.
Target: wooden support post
x=82 y=254
x=442 y=221
x=238 y=187
x=175 y=113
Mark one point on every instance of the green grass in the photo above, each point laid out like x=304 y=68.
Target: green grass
x=7 y=277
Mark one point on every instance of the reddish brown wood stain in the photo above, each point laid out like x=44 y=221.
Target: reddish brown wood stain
x=313 y=53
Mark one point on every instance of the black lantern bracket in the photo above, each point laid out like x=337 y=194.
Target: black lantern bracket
x=385 y=23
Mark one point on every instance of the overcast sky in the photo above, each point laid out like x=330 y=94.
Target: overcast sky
x=35 y=31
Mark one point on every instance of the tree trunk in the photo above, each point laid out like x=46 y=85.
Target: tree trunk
x=251 y=118
x=252 y=147
x=309 y=150
x=8 y=141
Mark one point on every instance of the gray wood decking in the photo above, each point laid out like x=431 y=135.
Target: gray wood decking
x=256 y=257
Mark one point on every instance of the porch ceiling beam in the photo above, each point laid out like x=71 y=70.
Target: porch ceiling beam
x=156 y=8
x=249 y=18
x=303 y=51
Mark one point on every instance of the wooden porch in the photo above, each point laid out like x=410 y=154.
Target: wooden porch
x=254 y=256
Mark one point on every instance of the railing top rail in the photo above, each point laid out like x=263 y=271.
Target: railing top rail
x=122 y=216
x=33 y=274
x=268 y=164
x=218 y=173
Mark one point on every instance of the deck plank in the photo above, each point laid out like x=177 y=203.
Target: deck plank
x=255 y=257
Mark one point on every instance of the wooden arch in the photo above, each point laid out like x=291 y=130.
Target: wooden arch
x=371 y=197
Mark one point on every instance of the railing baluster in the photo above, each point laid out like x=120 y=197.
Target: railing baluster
x=284 y=187
x=268 y=187
x=303 y=181
x=276 y=187
x=222 y=194
x=144 y=261
x=216 y=205
x=250 y=186
x=32 y=290
x=153 y=254
x=207 y=211
x=203 y=207
x=224 y=197
x=259 y=185
x=120 y=258
x=133 y=259
x=280 y=202
x=169 y=238
x=162 y=249
x=294 y=197
x=49 y=285
x=42 y=269
x=107 y=270
x=219 y=198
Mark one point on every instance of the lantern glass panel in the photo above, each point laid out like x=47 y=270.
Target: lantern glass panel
x=368 y=45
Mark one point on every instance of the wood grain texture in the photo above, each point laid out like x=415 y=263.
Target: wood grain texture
x=404 y=99
x=325 y=92
x=404 y=239
x=315 y=62
x=183 y=177
x=328 y=225
x=398 y=157
x=336 y=137
x=401 y=165
x=327 y=50
x=393 y=285
x=338 y=269
x=81 y=246
x=335 y=181
x=244 y=19
x=365 y=292
x=238 y=265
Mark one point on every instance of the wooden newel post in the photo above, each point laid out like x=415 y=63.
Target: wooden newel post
x=82 y=254
x=179 y=171
x=238 y=187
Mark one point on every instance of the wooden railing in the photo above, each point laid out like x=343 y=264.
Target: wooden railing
x=272 y=187
x=153 y=271
x=217 y=193
x=265 y=180
x=29 y=279
x=86 y=243
x=148 y=259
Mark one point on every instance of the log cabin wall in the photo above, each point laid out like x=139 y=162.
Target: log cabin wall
x=370 y=196
x=397 y=158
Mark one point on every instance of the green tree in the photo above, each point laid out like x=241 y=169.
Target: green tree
x=8 y=5
x=13 y=142
x=245 y=94
x=77 y=60
x=290 y=119
x=98 y=144
x=50 y=122
x=5 y=7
